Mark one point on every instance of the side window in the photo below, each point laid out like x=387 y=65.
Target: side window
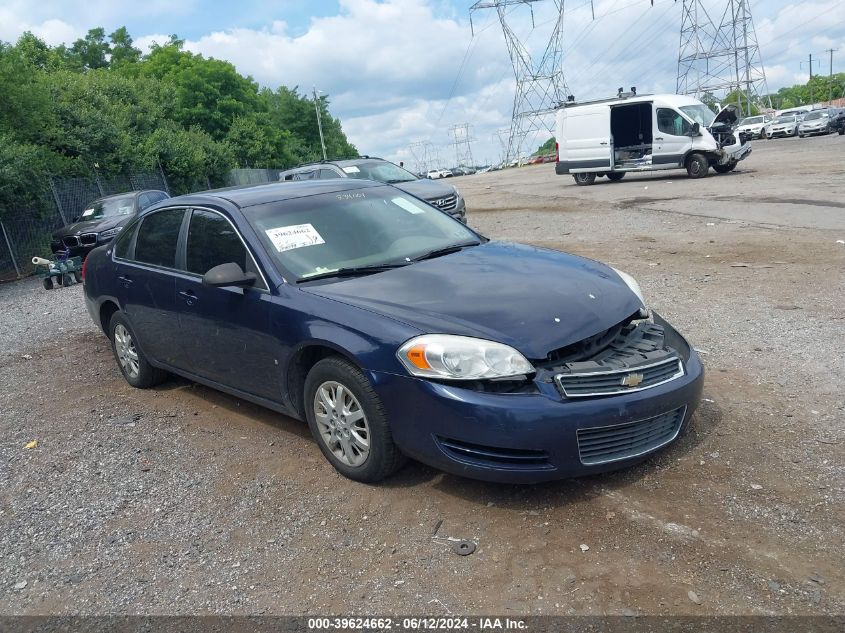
x=157 y=196
x=124 y=241
x=212 y=240
x=158 y=236
x=327 y=174
x=671 y=122
x=144 y=201
x=304 y=175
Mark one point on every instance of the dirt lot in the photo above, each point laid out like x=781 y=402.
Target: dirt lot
x=184 y=500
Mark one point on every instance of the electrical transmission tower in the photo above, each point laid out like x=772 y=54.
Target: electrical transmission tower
x=425 y=156
x=463 y=150
x=540 y=85
x=721 y=55
x=501 y=136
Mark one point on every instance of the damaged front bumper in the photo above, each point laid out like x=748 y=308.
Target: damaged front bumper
x=545 y=431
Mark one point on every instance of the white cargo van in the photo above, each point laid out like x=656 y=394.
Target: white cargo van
x=633 y=132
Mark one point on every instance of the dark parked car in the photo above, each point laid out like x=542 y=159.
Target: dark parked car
x=439 y=194
x=395 y=330
x=101 y=220
x=837 y=121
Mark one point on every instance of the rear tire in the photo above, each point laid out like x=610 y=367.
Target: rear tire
x=616 y=176
x=340 y=437
x=133 y=364
x=77 y=276
x=724 y=169
x=697 y=165
x=47 y=282
x=584 y=179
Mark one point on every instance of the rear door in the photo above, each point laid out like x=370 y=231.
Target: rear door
x=226 y=331
x=586 y=135
x=146 y=278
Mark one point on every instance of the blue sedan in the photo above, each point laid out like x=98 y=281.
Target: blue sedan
x=395 y=331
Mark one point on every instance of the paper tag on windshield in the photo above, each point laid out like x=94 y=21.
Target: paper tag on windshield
x=409 y=206
x=87 y=212
x=287 y=238
x=352 y=169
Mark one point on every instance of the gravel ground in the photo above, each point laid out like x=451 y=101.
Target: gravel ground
x=182 y=500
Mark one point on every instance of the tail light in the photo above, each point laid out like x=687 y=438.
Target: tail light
x=557 y=152
x=84 y=264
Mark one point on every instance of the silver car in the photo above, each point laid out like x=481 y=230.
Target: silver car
x=816 y=122
x=784 y=125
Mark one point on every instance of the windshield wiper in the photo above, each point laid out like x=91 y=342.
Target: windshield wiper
x=395 y=180
x=446 y=250
x=354 y=271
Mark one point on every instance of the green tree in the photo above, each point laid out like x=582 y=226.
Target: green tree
x=546 y=148
x=92 y=50
x=122 y=51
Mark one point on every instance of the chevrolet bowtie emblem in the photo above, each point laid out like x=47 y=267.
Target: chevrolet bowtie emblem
x=632 y=380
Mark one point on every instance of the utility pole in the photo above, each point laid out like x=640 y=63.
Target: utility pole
x=319 y=122
x=830 y=81
x=810 y=82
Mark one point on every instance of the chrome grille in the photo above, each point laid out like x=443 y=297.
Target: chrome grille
x=605 y=444
x=622 y=380
x=447 y=203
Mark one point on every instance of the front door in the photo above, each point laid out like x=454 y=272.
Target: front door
x=226 y=331
x=672 y=138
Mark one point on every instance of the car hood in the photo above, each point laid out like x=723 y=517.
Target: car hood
x=92 y=226
x=426 y=189
x=727 y=116
x=536 y=300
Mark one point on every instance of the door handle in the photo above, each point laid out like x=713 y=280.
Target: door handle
x=126 y=281
x=603 y=143
x=658 y=138
x=188 y=296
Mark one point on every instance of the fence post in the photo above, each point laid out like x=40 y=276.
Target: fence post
x=163 y=178
x=58 y=202
x=11 y=252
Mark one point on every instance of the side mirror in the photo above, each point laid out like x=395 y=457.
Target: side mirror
x=696 y=129
x=229 y=274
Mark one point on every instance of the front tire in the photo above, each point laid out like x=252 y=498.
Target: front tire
x=584 y=179
x=697 y=165
x=348 y=421
x=134 y=366
x=724 y=169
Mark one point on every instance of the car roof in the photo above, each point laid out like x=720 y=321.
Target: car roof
x=126 y=194
x=338 y=162
x=251 y=195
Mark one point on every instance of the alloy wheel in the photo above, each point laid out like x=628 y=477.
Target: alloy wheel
x=342 y=423
x=126 y=352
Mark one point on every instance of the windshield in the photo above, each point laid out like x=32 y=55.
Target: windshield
x=700 y=113
x=815 y=115
x=109 y=208
x=785 y=118
x=752 y=120
x=350 y=229
x=379 y=170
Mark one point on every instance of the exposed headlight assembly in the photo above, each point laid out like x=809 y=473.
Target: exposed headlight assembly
x=110 y=233
x=635 y=288
x=450 y=357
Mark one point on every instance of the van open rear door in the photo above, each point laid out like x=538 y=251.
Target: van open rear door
x=586 y=138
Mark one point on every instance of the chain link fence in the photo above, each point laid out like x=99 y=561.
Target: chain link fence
x=26 y=233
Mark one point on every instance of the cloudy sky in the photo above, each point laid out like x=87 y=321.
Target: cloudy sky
x=405 y=71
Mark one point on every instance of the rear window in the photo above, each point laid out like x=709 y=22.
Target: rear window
x=158 y=237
